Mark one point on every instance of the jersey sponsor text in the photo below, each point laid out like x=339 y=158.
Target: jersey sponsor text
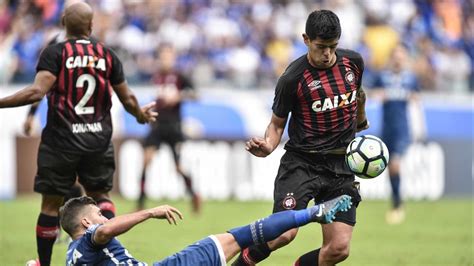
x=86 y=61
x=335 y=102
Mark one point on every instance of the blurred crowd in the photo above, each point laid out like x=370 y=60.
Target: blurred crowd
x=248 y=43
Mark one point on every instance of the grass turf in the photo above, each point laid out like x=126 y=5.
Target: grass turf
x=435 y=233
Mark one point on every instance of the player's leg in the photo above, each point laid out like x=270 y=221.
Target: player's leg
x=293 y=191
x=394 y=172
x=398 y=145
x=337 y=235
x=96 y=173
x=55 y=176
x=336 y=242
x=335 y=248
x=273 y=226
x=396 y=214
x=218 y=249
x=148 y=153
x=188 y=182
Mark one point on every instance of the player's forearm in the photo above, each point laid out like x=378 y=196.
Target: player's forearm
x=273 y=135
x=132 y=107
x=120 y=225
x=128 y=99
x=361 y=99
x=26 y=96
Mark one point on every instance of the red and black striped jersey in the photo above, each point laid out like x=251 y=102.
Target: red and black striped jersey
x=322 y=102
x=79 y=102
x=169 y=83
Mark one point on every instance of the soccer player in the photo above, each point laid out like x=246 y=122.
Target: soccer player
x=78 y=76
x=94 y=241
x=322 y=90
x=172 y=88
x=76 y=190
x=397 y=85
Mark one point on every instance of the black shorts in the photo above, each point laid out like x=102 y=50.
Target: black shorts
x=57 y=170
x=304 y=177
x=170 y=133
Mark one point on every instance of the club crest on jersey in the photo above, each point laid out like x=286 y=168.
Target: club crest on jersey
x=289 y=202
x=330 y=103
x=85 y=61
x=350 y=77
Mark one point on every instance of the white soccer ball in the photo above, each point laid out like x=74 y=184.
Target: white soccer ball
x=367 y=156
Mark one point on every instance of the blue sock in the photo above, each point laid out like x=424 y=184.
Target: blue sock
x=395 y=185
x=269 y=228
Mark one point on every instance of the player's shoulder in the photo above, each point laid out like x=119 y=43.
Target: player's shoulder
x=350 y=54
x=52 y=50
x=295 y=69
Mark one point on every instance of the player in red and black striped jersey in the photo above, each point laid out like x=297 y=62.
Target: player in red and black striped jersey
x=78 y=76
x=322 y=91
x=172 y=89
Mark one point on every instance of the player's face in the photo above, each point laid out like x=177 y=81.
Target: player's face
x=94 y=215
x=321 y=53
x=399 y=57
x=167 y=58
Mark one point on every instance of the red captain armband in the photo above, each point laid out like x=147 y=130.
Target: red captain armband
x=362 y=124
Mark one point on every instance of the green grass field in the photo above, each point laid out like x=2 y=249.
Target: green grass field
x=435 y=233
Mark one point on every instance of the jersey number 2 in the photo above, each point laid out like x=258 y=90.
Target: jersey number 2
x=80 y=107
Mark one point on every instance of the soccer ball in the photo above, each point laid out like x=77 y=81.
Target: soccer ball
x=367 y=156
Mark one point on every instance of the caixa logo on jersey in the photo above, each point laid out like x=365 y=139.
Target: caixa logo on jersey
x=334 y=102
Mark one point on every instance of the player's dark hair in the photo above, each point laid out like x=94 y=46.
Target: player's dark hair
x=323 y=24
x=69 y=211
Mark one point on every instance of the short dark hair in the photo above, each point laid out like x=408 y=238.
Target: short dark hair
x=69 y=211
x=323 y=24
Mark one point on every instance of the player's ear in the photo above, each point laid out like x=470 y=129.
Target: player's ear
x=306 y=39
x=63 y=20
x=86 y=222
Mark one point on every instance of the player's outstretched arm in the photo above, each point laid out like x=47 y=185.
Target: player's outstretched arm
x=262 y=147
x=123 y=223
x=44 y=81
x=143 y=114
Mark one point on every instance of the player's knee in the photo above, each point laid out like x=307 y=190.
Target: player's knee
x=146 y=161
x=393 y=171
x=335 y=252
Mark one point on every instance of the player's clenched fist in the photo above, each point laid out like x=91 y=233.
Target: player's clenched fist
x=258 y=147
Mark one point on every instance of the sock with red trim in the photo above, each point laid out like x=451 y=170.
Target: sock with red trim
x=107 y=208
x=47 y=229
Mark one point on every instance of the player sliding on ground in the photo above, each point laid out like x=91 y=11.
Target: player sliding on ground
x=94 y=241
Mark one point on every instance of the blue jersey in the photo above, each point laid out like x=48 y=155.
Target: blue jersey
x=84 y=251
x=397 y=88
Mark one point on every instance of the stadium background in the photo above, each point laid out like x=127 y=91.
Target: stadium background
x=234 y=51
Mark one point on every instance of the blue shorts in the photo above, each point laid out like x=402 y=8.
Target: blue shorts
x=205 y=252
x=396 y=144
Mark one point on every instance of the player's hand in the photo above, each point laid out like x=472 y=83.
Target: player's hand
x=363 y=126
x=148 y=113
x=28 y=125
x=166 y=212
x=258 y=147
